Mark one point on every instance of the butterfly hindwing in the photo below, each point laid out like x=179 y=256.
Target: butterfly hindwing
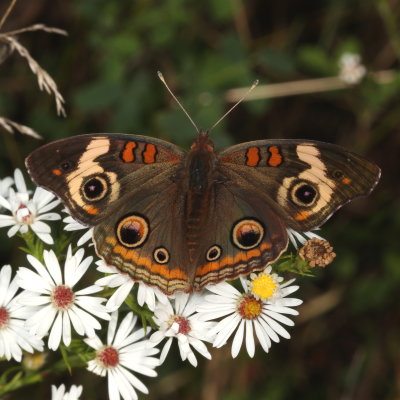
x=303 y=181
x=240 y=236
x=144 y=238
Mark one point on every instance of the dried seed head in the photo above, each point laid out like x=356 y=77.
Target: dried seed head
x=317 y=252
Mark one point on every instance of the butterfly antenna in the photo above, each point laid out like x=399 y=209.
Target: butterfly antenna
x=255 y=83
x=161 y=76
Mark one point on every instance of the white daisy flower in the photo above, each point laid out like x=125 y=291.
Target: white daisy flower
x=297 y=238
x=73 y=225
x=351 y=70
x=181 y=321
x=145 y=295
x=28 y=213
x=243 y=311
x=14 y=337
x=60 y=393
x=58 y=304
x=125 y=351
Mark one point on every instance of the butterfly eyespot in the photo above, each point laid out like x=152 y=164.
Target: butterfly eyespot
x=132 y=230
x=213 y=253
x=337 y=174
x=95 y=188
x=247 y=233
x=65 y=166
x=161 y=255
x=304 y=194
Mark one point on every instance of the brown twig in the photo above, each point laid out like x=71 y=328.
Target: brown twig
x=302 y=87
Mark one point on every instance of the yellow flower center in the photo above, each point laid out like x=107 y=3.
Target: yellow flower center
x=249 y=307
x=263 y=286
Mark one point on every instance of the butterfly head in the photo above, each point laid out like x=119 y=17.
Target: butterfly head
x=202 y=142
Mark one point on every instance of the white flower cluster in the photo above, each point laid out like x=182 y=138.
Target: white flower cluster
x=46 y=301
x=26 y=212
x=351 y=70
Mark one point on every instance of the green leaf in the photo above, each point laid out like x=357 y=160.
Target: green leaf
x=5 y=375
x=34 y=245
x=292 y=263
x=143 y=312
x=65 y=358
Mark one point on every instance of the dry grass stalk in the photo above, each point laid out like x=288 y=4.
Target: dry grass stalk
x=12 y=126
x=7 y=13
x=45 y=81
x=36 y=27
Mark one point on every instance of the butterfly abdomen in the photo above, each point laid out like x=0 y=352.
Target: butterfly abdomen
x=200 y=165
x=196 y=216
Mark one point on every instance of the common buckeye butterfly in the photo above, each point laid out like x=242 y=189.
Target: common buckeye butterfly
x=182 y=220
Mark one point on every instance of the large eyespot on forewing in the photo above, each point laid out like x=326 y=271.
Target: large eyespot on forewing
x=304 y=193
x=95 y=188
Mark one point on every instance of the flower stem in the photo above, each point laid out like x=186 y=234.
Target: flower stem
x=20 y=379
x=34 y=245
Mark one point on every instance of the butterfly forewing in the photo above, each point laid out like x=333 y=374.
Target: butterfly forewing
x=92 y=174
x=303 y=181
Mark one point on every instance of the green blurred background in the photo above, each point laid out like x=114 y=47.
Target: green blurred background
x=345 y=344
